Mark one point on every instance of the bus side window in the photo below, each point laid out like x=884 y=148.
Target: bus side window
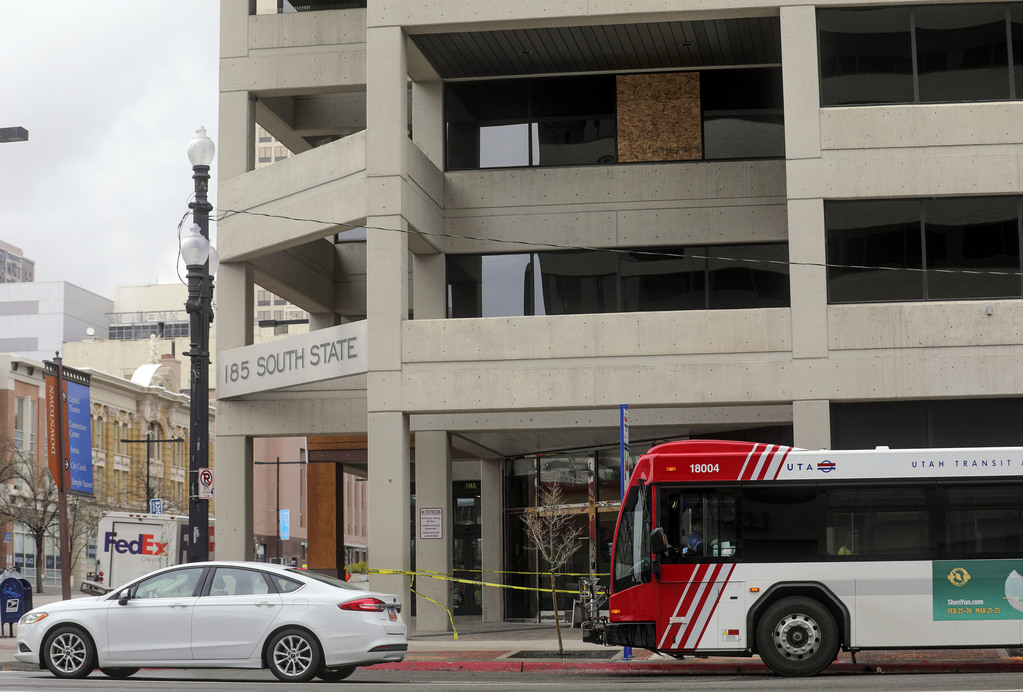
x=877 y=522
x=984 y=520
x=697 y=524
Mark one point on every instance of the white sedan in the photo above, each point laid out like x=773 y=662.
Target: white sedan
x=297 y=623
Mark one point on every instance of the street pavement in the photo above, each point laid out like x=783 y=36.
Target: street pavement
x=532 y=647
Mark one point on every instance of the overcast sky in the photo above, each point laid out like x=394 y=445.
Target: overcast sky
x=110 y=93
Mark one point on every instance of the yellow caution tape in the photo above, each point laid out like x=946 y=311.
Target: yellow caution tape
x=459 y=580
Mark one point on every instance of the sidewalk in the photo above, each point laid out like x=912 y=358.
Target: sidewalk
x=533 y=648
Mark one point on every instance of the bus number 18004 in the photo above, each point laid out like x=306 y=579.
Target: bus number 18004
x=704 y=468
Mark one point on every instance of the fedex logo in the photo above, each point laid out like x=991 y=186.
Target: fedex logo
x=145 y=544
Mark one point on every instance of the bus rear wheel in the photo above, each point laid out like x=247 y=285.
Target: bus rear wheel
x=797 y=637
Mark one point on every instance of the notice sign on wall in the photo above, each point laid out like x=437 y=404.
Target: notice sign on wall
x=431 y=522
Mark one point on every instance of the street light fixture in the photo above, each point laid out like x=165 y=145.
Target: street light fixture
x=201 y=263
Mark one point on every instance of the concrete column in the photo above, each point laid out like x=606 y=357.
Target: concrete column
x=433 y=489
x=811 y=424
x=387 y=306
x=800 y=82
x=808 y=279
x=236 y=152
x=491 y=524
x=233 y=498
x=389 y=491
x=322 y=320
x=233 y=455
x=808 y=284
x=428 y=119
x=234 y=298
x=429 y=287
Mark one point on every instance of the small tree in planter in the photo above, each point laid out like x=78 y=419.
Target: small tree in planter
x=552 y=534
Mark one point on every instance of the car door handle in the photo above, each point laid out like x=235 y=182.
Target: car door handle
x=179 y=605
x=264 y=603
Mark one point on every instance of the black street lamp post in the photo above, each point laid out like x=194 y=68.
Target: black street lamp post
x=200 y=260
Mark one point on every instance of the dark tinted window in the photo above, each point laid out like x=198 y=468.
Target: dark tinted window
x=487 y=124
x=877 y=523
x=870 y=244
x=984 y=519
x=918 y=424
x=579 y=282
x=967 y=235
x=742 y=113
x=969 y=248
x=773 y=524
x=866 y=56
x=595 y=281
x=962 y=52
x=574 y=120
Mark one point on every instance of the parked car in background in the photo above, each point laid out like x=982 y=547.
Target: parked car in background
x=297 y=623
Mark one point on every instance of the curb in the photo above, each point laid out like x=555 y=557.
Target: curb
x=749 y=667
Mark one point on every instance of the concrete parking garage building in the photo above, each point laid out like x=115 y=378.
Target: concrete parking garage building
x=758 y=219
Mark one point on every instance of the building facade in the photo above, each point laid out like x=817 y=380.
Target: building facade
x=37 y=318
x=761 y=219
x=133 y=459
x=14 y=266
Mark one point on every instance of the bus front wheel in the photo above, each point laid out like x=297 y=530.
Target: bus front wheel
x=797 y=637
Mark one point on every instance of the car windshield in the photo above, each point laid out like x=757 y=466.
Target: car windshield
x=333 y=581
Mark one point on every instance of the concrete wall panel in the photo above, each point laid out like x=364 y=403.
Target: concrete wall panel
x=624 y=335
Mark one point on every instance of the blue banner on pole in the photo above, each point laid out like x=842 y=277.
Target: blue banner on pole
x=285 y=524
x=79 y=424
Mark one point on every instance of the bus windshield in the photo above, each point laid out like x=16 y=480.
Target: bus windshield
x=632 y=543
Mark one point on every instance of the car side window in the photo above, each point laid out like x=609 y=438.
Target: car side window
x=284 y=584
x=230 y=581
x=175 y=584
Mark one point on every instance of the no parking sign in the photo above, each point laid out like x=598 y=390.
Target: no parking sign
x=205 y=484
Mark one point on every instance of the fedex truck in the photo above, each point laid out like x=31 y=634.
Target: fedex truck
x=130 y=544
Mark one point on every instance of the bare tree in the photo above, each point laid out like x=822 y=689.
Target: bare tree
x=28 y=497
x=552 y=534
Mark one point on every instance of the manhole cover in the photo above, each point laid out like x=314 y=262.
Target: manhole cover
x=588 y=655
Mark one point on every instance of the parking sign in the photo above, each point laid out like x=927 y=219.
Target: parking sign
x=156 y=506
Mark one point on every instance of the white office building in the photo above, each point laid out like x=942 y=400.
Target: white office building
x=748 y=219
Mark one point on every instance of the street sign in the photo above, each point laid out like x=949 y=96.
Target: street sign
x=285 y=524
x=205 y=484
x=156 y=506
x=7 y=536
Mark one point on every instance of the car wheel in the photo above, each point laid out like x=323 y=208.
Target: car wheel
x=293 y=655
x=68 y=652
x=119 y=673
x=797 y=637
x=335 y=674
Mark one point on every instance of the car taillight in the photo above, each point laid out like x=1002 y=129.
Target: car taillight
x=366 y=605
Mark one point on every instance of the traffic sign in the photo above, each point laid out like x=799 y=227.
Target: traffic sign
x=156 y=506
x=205 y=484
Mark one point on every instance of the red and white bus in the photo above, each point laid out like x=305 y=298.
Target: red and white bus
x=737 y=548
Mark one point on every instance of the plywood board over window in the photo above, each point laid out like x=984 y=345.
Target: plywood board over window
x=659 y=117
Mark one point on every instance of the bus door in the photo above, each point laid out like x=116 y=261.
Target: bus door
x=702 y=605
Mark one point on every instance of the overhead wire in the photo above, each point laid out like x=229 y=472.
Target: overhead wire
x=227 y=213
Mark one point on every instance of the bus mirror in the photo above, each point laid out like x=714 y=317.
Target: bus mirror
x=658 y=541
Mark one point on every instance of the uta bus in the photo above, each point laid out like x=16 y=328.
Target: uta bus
x=737 y=548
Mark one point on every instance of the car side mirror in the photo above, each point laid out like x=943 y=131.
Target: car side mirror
x=658 y=542
x=123 y=598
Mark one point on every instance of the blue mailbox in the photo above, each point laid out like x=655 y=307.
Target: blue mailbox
x=15 y=601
